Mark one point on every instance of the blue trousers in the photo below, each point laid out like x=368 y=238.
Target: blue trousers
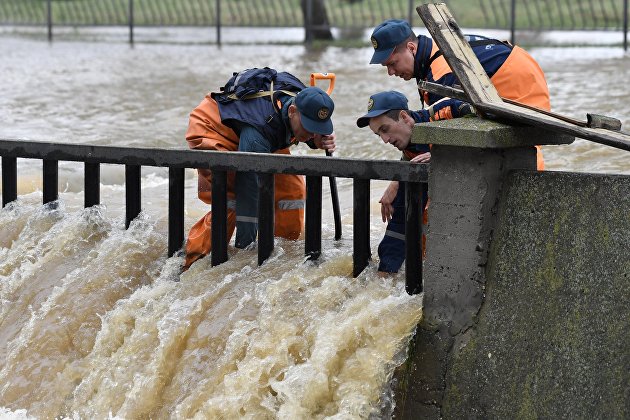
x=391 y=250
x=246 y=188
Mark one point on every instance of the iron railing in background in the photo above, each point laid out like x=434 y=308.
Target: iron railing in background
x=361 y=171
x=535 y=15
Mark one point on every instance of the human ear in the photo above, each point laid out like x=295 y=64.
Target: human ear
x=292 y=110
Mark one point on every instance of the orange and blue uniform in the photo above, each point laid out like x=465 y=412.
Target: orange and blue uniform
x=247 y=123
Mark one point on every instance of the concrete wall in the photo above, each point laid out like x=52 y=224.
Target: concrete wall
x=527 y=291
x=552 y=338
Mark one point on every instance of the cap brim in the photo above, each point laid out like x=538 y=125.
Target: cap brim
x=381 y=55
x=364 y=121
x=317 y=127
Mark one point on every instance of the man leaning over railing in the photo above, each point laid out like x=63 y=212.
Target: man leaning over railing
x=261 y=111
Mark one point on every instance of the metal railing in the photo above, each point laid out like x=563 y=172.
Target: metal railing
x=536 y=15
x=266 y=165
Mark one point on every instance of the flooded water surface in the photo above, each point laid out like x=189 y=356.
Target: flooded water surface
x=95 y=321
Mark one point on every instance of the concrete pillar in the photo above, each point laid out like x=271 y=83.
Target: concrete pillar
x=470 y=159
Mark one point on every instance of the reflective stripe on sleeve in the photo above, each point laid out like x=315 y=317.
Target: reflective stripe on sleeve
x=290 y=204
x=395 y=235
x=247 y=219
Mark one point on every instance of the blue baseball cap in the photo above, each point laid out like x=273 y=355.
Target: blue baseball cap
x=387 y=36
x=381 y=103
x=316 y=108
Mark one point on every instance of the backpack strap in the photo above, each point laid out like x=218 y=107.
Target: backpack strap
x=473 y=44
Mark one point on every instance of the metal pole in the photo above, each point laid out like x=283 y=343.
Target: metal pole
x=219 y=231
x=313 y=231
x=266 y=216
x=410 y=12
x=175 y=210
x=9 y=180
x=51 y=180
x=132 y=193
x=361 y=240
x=218 y=22
x=413 y=236
x=513 y=22
x=131 y=21
x=92 y=184
x=625 y=25
x=49 y=18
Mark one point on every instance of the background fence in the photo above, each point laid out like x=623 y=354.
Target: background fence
x=315 y=15
x=529 y=14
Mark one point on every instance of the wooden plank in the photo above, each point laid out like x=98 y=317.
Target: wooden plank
x=526 y=116
x=460 y=57
x=482 y=93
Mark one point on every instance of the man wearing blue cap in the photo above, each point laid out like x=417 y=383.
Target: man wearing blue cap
x=260 y=111
x=389 y=118
x=514 y=73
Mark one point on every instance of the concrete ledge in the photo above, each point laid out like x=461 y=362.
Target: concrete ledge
x=485 y=134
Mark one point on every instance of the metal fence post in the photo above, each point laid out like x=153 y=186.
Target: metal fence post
x=513 y=22
x=219 y=231
x=313 y=231
x=625 y=25
x=132 y=193
x=361 y=241
x=50 y=180
x=9 y=180
x=49 y=18
x=413 y=236
x=92 y=184
x=218 y=22
x=175 y=209
x=131 y=21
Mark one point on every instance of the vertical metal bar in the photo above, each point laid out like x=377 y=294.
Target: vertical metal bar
x=51 y=180
x=132 y=193
x=131 y=22
x=410 y=12
x=361 y=240
x=175 y=210
x=625 y=25
x=313 y=231
x=9 y=180
x=91 y=184
x=413 y=237
x=218 y=22
x=513 y=22
x=266 y=216
x=219 y=231
x=49 y=18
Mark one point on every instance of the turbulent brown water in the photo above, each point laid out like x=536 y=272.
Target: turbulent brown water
x=96 y=322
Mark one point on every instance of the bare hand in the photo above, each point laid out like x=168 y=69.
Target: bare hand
x=422 y=158
x=387 y=209
x=325 y=142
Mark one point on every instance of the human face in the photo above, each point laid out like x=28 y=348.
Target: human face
x=299 y=132
x=401 y=62
x=396 y=133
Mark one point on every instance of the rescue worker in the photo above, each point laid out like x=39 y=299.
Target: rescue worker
x=261 y=111
x=389 y=118
x=514 y=73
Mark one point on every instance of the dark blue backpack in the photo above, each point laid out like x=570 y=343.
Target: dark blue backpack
x=256 y=82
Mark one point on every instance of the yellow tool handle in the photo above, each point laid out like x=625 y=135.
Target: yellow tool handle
x=324 y=76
